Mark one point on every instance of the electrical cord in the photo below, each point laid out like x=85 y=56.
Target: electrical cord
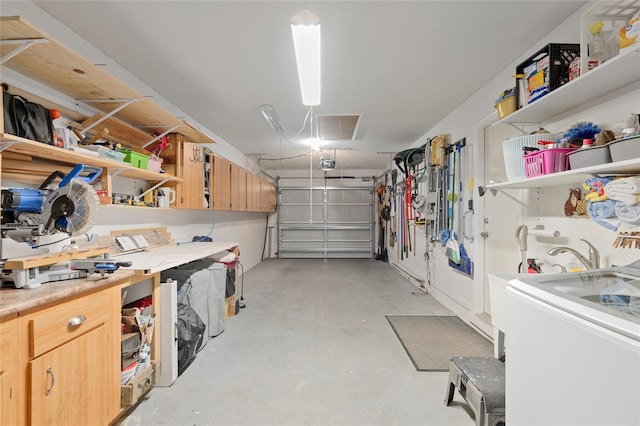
x=241 y=304
x=199 y=239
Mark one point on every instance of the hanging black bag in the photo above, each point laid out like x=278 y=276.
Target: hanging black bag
x=26 y=119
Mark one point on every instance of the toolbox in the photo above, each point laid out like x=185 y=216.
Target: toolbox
x=546 y=70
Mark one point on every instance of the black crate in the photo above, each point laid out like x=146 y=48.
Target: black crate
x=556 y=72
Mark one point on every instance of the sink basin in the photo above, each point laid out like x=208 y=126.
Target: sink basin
x=607 y=290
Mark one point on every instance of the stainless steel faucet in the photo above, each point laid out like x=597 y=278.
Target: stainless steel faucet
x=594 y=255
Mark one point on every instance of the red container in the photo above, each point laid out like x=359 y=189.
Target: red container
x=546 y=161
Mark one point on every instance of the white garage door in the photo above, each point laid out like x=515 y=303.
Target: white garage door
x=325 y=223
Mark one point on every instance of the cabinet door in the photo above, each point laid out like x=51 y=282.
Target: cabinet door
x=221 y=193
x=238 y=188
x=8 y=373
x=264 y=196
x=255 y=193
x=191 y=162
x=68 y=383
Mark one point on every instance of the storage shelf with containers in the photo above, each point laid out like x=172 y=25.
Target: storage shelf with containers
x=610 y=70
x=597 y=77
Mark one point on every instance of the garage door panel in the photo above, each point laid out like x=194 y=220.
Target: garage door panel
x=349 y=214
x=350 y=196
x=341 y=227
x=292 y=196
x=300 y=214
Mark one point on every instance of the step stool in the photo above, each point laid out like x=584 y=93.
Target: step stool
x=480 y=381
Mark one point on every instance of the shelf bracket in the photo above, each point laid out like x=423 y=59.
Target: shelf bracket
x=157 y=185
x=25 y=44
x=125 y=103
x=163 y=134
x=520 y=129
x=5 y=144
x=116 y=172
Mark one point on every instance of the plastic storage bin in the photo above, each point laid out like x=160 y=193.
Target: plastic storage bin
x=512 y=152
x=587 y=157
x=153 y=164
x=547 y=161
x=505 y=105
x=135 y=159
x=625 y=149
x=105 y=152
x=547 y=69
x=613 y=15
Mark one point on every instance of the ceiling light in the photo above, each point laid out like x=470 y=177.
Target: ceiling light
x=314 y=143
x=305 y=27
x=270 y=115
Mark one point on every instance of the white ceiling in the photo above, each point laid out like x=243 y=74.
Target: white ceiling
x=403 y=65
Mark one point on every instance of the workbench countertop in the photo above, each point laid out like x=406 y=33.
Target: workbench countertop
x=14 y=301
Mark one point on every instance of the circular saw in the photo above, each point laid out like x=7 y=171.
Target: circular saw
x=70 y=206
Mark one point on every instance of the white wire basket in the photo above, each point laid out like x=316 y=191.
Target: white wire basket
x=512 y=151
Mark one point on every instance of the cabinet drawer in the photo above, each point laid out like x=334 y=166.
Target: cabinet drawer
x=61 y=323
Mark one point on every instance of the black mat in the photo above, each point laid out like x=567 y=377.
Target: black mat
x=431 y=341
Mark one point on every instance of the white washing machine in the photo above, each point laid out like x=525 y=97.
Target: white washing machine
x=572 y=360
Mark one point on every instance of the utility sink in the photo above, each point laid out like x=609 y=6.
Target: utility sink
x=615 y=291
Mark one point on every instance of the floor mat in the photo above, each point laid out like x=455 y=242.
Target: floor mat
x=431 y=341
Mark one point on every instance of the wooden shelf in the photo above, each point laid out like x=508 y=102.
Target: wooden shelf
x=571 y=177
x=49 y=152
x=55 y=66
x=614 y=74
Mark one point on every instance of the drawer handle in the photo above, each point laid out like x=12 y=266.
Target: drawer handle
x=76 y=321
x=53 y=381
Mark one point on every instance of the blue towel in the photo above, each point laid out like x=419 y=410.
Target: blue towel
x=600 y=211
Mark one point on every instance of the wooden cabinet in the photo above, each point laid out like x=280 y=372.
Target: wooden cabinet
x=264 y=196
x=221 y=185
x=253 y=193
x=238 y=188
x=189 y=160
x=72 y=384
x=9 y=392
x=73 y=374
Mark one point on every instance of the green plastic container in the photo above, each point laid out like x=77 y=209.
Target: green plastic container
x=135 y=159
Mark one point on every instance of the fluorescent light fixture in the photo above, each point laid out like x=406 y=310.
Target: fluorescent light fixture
x=271 y=117
x=314 y=143
x=305 y=27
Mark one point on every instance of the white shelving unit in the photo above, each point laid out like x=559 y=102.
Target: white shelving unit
x=572 y=176
x=614 y=74
x=618 y=72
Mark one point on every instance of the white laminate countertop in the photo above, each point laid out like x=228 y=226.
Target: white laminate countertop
x=162 y=258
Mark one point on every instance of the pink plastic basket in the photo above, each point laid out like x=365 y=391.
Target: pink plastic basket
x=546 y=161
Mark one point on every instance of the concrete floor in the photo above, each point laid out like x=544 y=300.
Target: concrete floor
x=312 y=347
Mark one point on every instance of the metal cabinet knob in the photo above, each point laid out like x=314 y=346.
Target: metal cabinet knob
x=76 y=321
